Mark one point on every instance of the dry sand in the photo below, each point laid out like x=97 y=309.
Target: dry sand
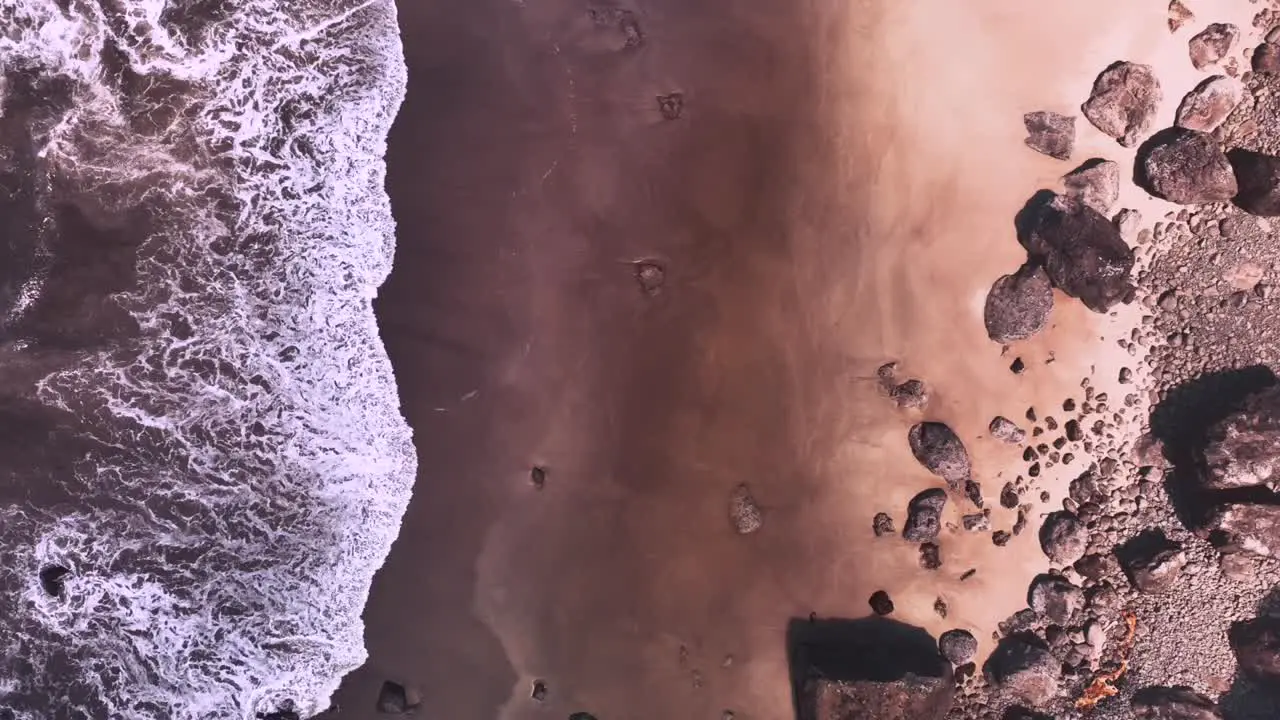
x=838 y=191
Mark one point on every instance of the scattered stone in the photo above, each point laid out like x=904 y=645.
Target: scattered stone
x=1024 y=669
x=1247 y=527
x=882 y=525
x=1187 y=167
x=1004 y=430
x=1017 y=367
x=1080 y=250
x=924 y=516
x=1243 y=449
x=744 y=512
x=880 y=603
x=1173 y=703
x=940 y=607
x=1266 y=58
x=930 y=556
x=1009 y=496
x=671 y=105
x=1257 y=647
x=940 y=451
x=1156 y=570
x=396 y=699
x=908 y=696
x=1095 y=566
x=1000 y=538
x=958 y=646
x=973 y=491
x=1258 y=176
x=53 y=580
x=1055 y=598
x=1208 y=104
x=911 y=394
x=1074 y=431
x=1211 y=45
x=1096 y=183
x=976 y=522
x=1063 y=538
x=1124 y=102
x=1050 y=133
x=1018 y=305
x=1125 y=376
x=650 y=276
x=1020 y=523
x=539 y=691
x=1179 y=15
x=538 y=477
x=968 y=574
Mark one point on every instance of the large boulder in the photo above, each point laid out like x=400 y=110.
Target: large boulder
x=1018 y=305
x=1211 y=45
x=924 y=516
x=1258 y=177
x=1080 y=250
x=1025 y=670
x=1063 y=538
x=1187 y=167
x=1257 y=647
x=1157 y=570
x=1124 y=102
x=1173 y=703
x=1050 y=133
x=910 y=697
x=940 y=451
x=1246 y=526
x=1208 y=104
x=1095 y=183
x=1055 y=598
x=1243 y=449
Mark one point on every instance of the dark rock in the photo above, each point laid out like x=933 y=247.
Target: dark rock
x=1074 y=432
x=1179 y=15
x=1266 y=58
x=1009 y=496
x=1258 y=176
x=1018 y=622
x=911 y=394
x=1024 y=669
x=1243 y=449
x=53 y=578
x=882 y=525
x=1248 y=527
x=940 y=451
x=1063 y=538
x=1018 y=305
x=1212 y=44
x=976 y=522
x=958 y=646
x=1173 y=703
x=396 y=699
x=1055 y=598
x=1124 y=102
x=1017 y=367
x=1156 y=571
x=671 y=105
x=744 y=511
x=539 y=691
x=930 y=556
x=650 y=276
x=880 y=603
x=1020 y=523
x=1095 y=566
x=1257 y=647
x=1205 y=107
x=924 y=516
x=1000 y=538
x=940 y=607
x=1004 y=430
x=1187 y=167
x=1081 y=251
x=1084 y=488
x=1050 y=133
x=973 y=491
x=1096 y=183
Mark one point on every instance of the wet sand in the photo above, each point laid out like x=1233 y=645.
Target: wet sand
x=837 y=192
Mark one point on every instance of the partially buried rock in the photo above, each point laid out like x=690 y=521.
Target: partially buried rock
x=1248 y=527
x=1212 y=44
x=940 y=451
x=1243 y=449
x=1004 y=430
x=1156 y=570
x=1187 y=167
x=909 y=697
x=882 y=525
x=1063 y=538
x=1173 y=703
x=911 y=394
x=744 y=512
x=1080 y=249
x=924 y=516
x=1024 y=669
x=1055 y=598
x=1096 y=183
x=1208 y=104
x=396 y=699
x=930 y=556
x=1266 y=58
x=1257 y=647
x=958 y=646
x=1050 y=133
x=1124 y=102
x=1018 y=305
x=1258 y=176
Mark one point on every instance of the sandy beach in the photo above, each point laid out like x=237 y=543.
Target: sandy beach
x=658 y=251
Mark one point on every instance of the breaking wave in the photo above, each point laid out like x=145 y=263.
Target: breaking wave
x=202 y=460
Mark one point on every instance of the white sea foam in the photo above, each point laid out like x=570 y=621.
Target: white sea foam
x=256 y=465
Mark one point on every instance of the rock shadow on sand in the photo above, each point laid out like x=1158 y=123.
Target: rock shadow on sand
x=1182 y=420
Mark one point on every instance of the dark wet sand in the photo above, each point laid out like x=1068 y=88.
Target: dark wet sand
x=529 y=169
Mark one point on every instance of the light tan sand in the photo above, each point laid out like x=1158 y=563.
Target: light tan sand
x=839 y=192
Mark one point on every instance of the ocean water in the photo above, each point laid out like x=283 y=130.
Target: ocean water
x=202 y=459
